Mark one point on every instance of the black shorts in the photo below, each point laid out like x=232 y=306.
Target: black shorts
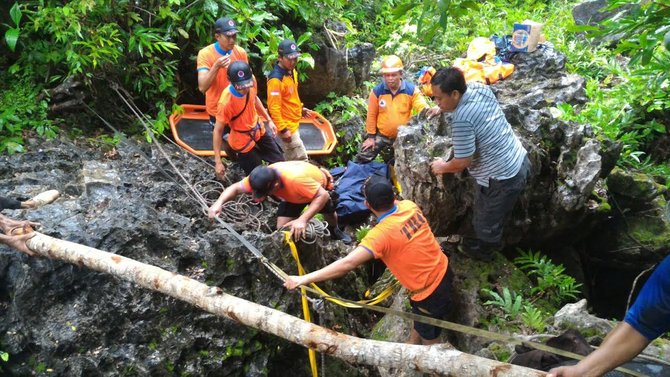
x=294 y=210
x=434 y=306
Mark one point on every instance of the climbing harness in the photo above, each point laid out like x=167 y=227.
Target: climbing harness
x=313 y=288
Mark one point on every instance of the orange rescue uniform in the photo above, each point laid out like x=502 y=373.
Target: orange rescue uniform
x=388 y=111
x=284 y=103
x=299 y=181
x=404 y=242
x=246 y=129
x=206 y=59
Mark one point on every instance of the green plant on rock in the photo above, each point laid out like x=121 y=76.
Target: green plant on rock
x=533 y=318
x=362 y=231
x=552 y=284
x=510 y=303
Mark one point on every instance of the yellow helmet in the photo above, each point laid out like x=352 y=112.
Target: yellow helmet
x=391 y=64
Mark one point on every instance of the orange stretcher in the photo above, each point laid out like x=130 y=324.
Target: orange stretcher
x=191 y=130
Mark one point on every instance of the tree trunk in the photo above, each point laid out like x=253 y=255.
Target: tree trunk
x=433 y=359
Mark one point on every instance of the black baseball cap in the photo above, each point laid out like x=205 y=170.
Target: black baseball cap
x=262 y=180
x=288 y=48
x=378 y=192
x=226 y=26
x=239 y=74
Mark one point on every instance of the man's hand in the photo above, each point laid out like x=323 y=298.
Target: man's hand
x=214 y=210
x=223 y=61
x=306 y=112
x=369 y=143
x=292 y=282
x=297 y=228
x=433 y=112
x=19 y=242
x=8 y=224
x=219 y=169
x=438 y=166
x=286 y=135
x=273 y=127
x=569 y=371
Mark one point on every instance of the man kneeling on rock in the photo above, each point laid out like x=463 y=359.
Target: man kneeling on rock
x=297 y=184
x=403 y=240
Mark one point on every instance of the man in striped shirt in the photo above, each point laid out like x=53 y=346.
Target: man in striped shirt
x=486 y=145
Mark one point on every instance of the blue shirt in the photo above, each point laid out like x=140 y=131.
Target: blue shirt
x=480 y=130
x=650 y=314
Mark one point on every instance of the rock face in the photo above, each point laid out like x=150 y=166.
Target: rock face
x=567 y=161
x=336 y=68
x=81 y=323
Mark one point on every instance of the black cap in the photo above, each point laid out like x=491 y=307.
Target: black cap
x=225 y=25
x=288 y=48
x=239 y=74
x=378 y=192
x=262 y=179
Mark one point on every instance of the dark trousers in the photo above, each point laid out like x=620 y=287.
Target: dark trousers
x=7 y=203
x=266 y=149
x=493 y=204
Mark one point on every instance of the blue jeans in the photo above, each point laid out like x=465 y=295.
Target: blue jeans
x=493 y=204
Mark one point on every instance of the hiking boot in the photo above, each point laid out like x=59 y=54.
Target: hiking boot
x=480 y=251
x=337 y=234
x=43 y=198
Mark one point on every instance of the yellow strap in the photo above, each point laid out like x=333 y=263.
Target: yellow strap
x=394 y=179
x=305 y=303
x=388 y=291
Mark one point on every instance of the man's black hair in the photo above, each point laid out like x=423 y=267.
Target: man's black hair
x=449 y=79
x=379 y=194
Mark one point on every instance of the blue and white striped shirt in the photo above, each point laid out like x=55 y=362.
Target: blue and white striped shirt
x=480 y=131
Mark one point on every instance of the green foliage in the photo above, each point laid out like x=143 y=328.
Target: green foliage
x=268 y=49
x=341 y=109
x=12 y=34
x=22 y=109
x=553 y=284
x=510 y=303
x=362 y=231
x=533 y=318
x=4 y=356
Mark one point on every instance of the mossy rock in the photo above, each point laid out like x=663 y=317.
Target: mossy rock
x=634 y=185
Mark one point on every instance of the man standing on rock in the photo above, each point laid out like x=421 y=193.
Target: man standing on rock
x=485 y=144
x=403 y=240
x=390 y=106
x=213 y=62
x=284 y=102
x=298 y=184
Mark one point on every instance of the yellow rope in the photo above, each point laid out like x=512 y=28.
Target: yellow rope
x=388 y=291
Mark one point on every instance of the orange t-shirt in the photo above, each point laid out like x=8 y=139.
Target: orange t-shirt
x=246 y=129
x=404 y=242
x=299 y=181
x=206 y=59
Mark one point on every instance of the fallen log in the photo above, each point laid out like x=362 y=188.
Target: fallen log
x=427 y=359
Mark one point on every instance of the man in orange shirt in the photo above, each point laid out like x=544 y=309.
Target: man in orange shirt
x=403 y=240
x=298 y=184
x=213 y=62
x=238 y=111
x=390 y=106
x=284 y=103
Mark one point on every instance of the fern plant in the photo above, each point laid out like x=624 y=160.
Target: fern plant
x=532 y=318
x=510 y=303
x=552 y=283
